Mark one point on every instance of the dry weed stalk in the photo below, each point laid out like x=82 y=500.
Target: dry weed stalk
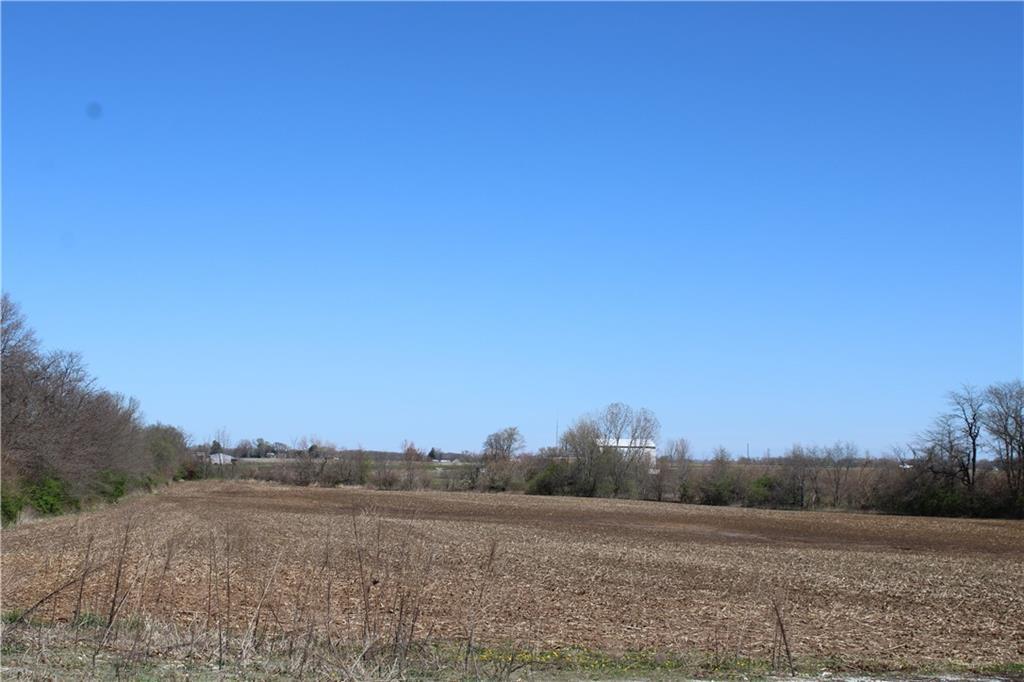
x=485 y=579
x=780 y=634
x=119 y=569
x=393 y=576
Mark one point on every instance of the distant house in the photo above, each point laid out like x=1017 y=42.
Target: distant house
x=221 y=458
x=643 y=449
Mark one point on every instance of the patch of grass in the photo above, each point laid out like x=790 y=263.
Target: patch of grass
x=89 y=620
x=1014 y=670
x=134 y=624
x=11 y=615
x=596 y=664
x=14 y=615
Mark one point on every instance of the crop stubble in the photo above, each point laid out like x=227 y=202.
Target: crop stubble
x=611 y=575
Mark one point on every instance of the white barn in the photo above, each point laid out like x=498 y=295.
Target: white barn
x=644 y=447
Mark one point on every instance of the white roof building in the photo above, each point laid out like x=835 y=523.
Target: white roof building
x=221 y=458
x=645 y=448
x=645 y=445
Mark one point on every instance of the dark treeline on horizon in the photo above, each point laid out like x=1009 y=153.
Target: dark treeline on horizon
x=67 y=442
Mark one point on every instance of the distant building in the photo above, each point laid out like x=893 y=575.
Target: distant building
x=644 y=449
x=221 y=458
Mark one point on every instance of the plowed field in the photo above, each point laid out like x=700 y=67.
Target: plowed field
x=616 y=576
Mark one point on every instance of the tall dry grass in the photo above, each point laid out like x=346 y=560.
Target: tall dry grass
x=111 y=595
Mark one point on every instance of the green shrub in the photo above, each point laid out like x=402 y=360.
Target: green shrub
x=151 y=483
x=606 y=488
x=762 y=491
x=685 y=491
x=167 y=448
x=112 y=485
x=718 y=483
x=11 y=504
x=551 y=480
x=716 y=493
x=190 y=469
x=51 y=496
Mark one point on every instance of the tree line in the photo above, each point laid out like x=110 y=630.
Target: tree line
x=64 y=440
x=970 y=462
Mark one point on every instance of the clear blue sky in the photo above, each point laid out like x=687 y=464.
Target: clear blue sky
x=767 y=223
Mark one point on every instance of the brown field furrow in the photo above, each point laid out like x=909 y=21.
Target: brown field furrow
x=605 y=574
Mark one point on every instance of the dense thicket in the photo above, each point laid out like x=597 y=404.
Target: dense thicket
x=64 y=440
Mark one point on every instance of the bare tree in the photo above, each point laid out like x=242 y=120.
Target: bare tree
x=664 y=478
x=838 y=459
x=411 y=453
x=223 y=437
x=628 y=435
x=503 y=445
x=644 y=429
x=677 y=458
x=1003 y=418
x=943 y=451
x=411 y=458
x=801 y=468
x=969 y=408
x=581 y=443
x=615 y=420
x=16 y=338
